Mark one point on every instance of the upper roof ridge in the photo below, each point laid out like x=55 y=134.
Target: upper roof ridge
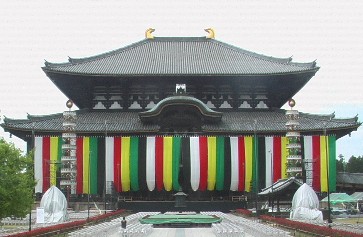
x=284 y=61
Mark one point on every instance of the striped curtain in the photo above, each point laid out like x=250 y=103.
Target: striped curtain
x=199 y=163
x=151 y=163
x=207 y=163
x=162 y=163
x=222 y=163
x=272 y=162
x=122 y=163
x=242 y=165
x=276 y=159
x=126 y=163
x=47 y=157
x=90 y=155
x=320 y=154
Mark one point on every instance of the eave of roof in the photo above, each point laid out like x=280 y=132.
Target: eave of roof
x=179 y=56
x=269 y=122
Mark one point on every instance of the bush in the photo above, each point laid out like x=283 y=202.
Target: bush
x=67 y=226
x=244 y=212
x=311 y=228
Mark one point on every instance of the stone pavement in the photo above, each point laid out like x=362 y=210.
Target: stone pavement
x=250 y=229
x=183 y=232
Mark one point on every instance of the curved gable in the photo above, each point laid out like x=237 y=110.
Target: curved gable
x=182 y=113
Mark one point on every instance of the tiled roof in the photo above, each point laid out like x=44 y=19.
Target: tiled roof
x=268 y=122
x=280 y=185
x=272 y=121
x=180 y=56
x=350 y=178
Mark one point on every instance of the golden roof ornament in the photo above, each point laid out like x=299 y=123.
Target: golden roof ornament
x=148 y=33
x=211 y=33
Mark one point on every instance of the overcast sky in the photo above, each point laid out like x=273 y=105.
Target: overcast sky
x=329 y=32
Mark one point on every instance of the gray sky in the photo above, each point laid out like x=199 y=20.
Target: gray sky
x=330 y=32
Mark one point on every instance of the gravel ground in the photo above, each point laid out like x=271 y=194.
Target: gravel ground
x=351 y=224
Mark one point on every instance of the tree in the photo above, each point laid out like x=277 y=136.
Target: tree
x=341 y=164
x=16 y=181
x=355 y=164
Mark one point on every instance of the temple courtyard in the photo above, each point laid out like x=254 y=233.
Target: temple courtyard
x=232 y=224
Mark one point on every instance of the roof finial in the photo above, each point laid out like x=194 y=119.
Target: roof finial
x=69 y=104
x=148 y=34
x=291 y=103
x=211 y=33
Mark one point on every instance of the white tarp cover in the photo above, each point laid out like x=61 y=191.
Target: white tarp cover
x=55 y=206
x=357 y=196
x=305 y=205
x=337 y=198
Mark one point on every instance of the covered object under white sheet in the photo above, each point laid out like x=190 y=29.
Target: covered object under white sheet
x=55 y=206
x=305 y=205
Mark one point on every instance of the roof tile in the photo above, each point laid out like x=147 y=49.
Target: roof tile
x=180 y=56
x=268 y=121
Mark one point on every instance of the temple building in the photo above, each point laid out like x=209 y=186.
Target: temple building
x=170 y=114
